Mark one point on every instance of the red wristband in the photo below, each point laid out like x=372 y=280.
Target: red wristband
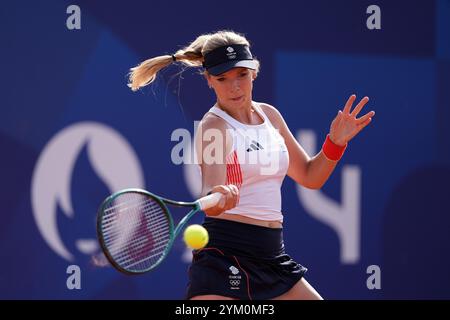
x=331 y=150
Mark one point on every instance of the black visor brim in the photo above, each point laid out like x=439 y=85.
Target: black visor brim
x=224 y=67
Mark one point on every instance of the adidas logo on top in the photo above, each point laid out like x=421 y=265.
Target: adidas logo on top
x=254 y=146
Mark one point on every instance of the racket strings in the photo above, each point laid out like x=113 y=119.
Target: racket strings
x=161 y=238
x=148 y=206
x=116 y=208
x=136 y=249
x=138 y=227
x=136 y=231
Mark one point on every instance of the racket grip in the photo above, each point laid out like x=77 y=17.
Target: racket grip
x=209 y=201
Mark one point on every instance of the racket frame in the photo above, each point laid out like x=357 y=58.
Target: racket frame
x=173 y=231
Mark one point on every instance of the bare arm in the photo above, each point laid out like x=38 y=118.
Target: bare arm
x=310 y=172
x=313 y=172
x=212 y=144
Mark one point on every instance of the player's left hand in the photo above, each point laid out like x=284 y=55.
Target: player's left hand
x=345 y=126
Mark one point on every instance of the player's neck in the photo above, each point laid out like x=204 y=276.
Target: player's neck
x=244 y=113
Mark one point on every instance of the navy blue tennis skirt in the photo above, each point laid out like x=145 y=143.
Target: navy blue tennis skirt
x=242 y=261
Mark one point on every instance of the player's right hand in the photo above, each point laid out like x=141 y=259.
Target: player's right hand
x=230 y=196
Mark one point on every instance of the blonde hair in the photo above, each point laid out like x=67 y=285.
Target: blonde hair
x=191 y=56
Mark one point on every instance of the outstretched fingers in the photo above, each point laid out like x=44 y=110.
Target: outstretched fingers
x=348 y=104
x=359 y=106
x=365 y=117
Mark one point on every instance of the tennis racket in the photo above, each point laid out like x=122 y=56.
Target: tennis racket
x=136 y=230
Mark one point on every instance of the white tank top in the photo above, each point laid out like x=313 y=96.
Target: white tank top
x=257 y=165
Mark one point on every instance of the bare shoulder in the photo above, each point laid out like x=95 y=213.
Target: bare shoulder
x=211 y=121
x=209 y=126
x=272 y=113
x=214 y=126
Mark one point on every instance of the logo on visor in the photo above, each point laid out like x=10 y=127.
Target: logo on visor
x=231 y=53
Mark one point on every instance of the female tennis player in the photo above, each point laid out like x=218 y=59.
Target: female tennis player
x=254 y=150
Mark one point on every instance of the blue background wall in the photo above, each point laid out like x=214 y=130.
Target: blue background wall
x=314 y=54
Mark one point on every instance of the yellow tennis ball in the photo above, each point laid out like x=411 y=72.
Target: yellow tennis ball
x=195 y=236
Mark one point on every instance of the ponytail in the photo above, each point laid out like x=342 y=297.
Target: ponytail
x=145 y=72
x=191 y=56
